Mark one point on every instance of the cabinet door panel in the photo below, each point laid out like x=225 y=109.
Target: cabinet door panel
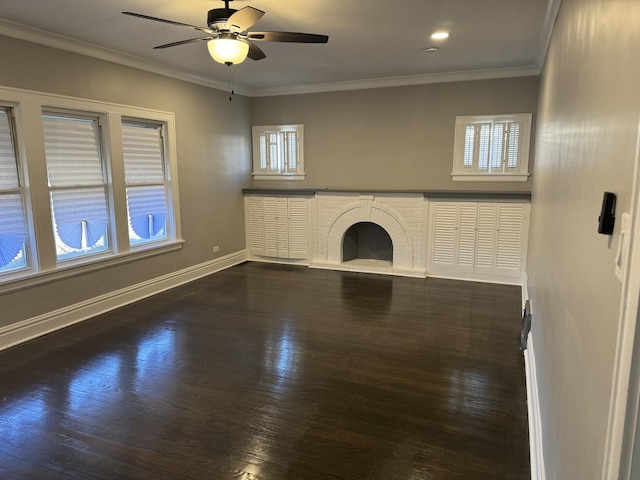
x=282 y=222
x=444 y=236
x=509 y=242
x=270 y=227
x=298 y=228
x=255 y=224
x=466 y=248
x=486 y=239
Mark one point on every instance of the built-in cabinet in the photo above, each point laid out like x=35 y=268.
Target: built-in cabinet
x=278 y=226
x=475 y=237
x=484 y=240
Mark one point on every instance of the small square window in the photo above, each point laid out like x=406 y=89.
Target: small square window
x=492 y=148
x=278 y=152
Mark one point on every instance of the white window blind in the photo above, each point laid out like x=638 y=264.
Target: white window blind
x=492 y=147
x=278 y=151
x=13 y=231
x=77 y=185
x=144 y=164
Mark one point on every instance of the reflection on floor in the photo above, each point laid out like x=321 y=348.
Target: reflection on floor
x=276 y=372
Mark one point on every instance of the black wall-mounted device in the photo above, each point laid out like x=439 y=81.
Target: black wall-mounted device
x=607 y=217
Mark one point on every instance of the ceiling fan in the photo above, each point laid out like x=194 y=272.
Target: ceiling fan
x=227 y=35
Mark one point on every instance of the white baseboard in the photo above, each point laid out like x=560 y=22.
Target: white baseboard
x=533 y=407
x=42 y=324
x=475 y=278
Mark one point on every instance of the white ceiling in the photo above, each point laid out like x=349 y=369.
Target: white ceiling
x=371 y=42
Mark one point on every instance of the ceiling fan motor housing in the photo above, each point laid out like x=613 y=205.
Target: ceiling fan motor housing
x=219 y=16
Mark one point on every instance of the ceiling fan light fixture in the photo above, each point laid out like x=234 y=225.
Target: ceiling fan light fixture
x=228 y=50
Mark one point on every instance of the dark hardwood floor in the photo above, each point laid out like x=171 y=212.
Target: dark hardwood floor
x=267 y=372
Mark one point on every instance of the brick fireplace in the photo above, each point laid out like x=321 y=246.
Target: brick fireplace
x=402 y=216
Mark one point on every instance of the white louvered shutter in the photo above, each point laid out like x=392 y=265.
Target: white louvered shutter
x=466 y=237
x=282 y=225
x=469 y=155
x=256 y=225
x=290 y=141
x=497 y=147
x=444 y=236
x=77 y=183
x=298 y=228
x=484 y=146
x=509 y=242
x=270 y=227
x=513 y=146
x=485 y=243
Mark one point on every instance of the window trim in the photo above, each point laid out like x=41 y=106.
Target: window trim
x=465 y=174
x=21 y=191
x=104 y=184
x=165 y=183
x=260 y=174
x=27 y=107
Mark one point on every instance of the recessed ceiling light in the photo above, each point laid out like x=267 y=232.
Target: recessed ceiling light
x=442 y=35
x=430 y=49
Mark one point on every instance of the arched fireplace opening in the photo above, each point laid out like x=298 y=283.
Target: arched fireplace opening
x=367 y=241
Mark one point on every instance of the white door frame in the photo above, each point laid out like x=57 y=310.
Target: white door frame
x=625 y=391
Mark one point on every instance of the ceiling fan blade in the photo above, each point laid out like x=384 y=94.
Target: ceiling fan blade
x=243 y=19
x=183 y=42
x=288 y=37
x=170 y=22
x=254 y=52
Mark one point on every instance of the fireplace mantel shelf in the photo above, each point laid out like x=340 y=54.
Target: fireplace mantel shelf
x=457 y=194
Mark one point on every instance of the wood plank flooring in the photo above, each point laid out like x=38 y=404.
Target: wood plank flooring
x=267 y=372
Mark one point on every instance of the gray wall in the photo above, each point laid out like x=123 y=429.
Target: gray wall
x=586 y=138
x=213 y=164
x=392 y=138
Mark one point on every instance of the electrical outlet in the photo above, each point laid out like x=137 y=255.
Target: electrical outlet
x=216 y=249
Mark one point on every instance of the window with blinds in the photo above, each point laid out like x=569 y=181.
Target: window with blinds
x=77 y=185
x=146 y=181
x=278 y=152
x=110 y=189
x=13 y=226
x=492 y=148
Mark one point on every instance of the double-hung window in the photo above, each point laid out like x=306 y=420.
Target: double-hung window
x=278 y=152
x=83 y=185
x=493 y=148
x=77 y=185
x=146 y=180
x=13 y=226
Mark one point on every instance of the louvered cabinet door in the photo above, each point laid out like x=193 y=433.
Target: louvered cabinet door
x=511 y=221
x=282 y=226
x=444 y=236
x=486 y=239
x=466 y=245
x=270 y=226
x=298 y=228
x=255 y=222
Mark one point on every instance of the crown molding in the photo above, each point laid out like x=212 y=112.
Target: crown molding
x=523 y=71
x=30 y=34
x=553 y=7
x=61 y=42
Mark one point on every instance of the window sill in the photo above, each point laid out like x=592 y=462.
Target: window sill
x=489 y=177
x=278 y=176
x=30 y=279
